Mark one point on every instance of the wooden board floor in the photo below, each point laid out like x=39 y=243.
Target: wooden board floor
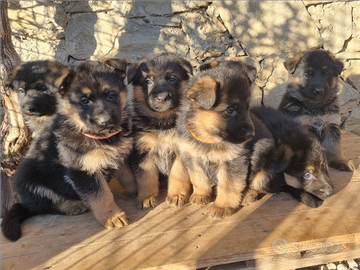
x=274 y=233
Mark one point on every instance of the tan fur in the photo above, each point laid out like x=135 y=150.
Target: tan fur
x=179 y=185
x=68 y=109
x=72 y=207
x=59 y=80
x=249 y=196
x=259 y=181
x=105 y=209
x=97 y=159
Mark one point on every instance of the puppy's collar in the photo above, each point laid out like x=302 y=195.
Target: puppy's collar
x=197 y=137
x=97 y=137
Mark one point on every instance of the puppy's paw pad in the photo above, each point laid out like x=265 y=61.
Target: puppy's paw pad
x=117 y=220
x=220 y=212
x=176 y=200
x=199 y=199
x=144 y=204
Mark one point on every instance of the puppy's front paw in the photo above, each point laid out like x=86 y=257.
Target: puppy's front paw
x=199 y=199
x=116 y=220
x=220 y=212
x=342 y=165
x=73 y=207
x=176 y=200
x=310 y=200
x=147 y=203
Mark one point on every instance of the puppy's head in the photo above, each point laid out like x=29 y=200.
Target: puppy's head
x=159 y=80
x=36 y=84
x=315 y=75
x=218 y=103
x=305 y=167
x=93 y=104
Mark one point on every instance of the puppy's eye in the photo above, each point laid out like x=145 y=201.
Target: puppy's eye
x=84 y=100
x=307 y=75
x=148 y=81
x=326 y=75
x=307 y=176
x=172 y=79
x=111 y=95
x=21 y=90
x=230 y=111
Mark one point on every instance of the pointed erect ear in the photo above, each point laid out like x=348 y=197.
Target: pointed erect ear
x=187 y=66
x=10 y=76
x=206 y=66
x=203 y=92
x=250 y=72
x=131 y=72
x=283 y=158
x=118 y=64
x=292 y=63
x=339 y=66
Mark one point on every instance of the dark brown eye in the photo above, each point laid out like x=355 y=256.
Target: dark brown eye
x=326 y=75
x=111 y=95
x=148 y=81
x=307 y=175
x=84 y=100
x=308 y=75
x=172 y=79
x=230 y=111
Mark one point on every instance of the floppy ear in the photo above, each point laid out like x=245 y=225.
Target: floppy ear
x=283 y=158
x=292 y=63
x=203 y=92
x=209 y=65
x=118 y=64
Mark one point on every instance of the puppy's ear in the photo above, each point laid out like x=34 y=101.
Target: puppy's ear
x=187 y=66
x=10 y=76
x=339 y=66
x=118 y=64
x=292 y=63
x=203 y=92
x=210 y=65
x=250 y=72
x=66 y=82
x=283 y=158
x=131 y=72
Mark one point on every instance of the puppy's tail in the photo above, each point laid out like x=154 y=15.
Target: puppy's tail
x=11 y=224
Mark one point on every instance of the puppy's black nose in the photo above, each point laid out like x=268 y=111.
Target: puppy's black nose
x=163 y=96
x=319 y=90
x=248 y=133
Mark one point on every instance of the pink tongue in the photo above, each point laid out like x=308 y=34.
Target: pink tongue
x=93 y=136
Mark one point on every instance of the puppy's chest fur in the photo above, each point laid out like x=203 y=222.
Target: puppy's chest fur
x=159 y=147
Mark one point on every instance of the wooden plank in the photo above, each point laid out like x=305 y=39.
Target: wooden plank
x=186 y=238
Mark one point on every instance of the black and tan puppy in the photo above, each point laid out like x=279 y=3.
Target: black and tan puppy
x=66 y=168
x=93 y=135
x=39 y=179
x=158 y=81
x=299 y=155
x=216 y=140
x=311 y=98
x=36 y=84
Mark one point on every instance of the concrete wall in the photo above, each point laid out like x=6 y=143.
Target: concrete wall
x=261 y=33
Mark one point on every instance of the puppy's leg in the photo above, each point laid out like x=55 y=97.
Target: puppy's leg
x=179 y=184
x=94 y=190
x=303 y=196
x=331 y=141
x=202 y=188
x=229 y=194
x=251 y=196
x=147 y=178
x=127 y=180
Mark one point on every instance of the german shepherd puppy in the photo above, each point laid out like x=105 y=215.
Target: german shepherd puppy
x=93 y=135
x=36 y=84
x=311 y=98
x=299 y=155
x=217 y=139
x=67 y=165
x=39 y=179
x=158 y=83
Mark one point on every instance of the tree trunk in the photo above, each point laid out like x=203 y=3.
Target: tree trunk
x=14 y=133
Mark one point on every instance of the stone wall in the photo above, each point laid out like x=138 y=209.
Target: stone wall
x=261 y=33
